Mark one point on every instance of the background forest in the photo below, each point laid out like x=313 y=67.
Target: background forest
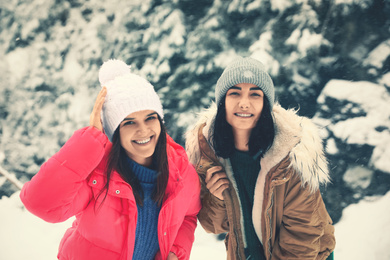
x=328 y=58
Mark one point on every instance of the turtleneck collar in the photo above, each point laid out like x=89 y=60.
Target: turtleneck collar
x=144 y=174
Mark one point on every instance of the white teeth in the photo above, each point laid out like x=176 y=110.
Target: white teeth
x=142 y=141
x=244 y=115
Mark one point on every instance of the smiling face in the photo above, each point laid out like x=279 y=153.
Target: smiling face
x=139 y=133
x=243 y=104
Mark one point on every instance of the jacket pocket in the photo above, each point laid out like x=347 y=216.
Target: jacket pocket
x=105 y=225
x=117 y=190
x=105 y=221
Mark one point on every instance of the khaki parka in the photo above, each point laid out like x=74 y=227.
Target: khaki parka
x=289 y=215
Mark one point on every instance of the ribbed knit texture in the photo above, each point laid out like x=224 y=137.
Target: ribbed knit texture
x=245 y=70
x=245 y=172
x=146 y=237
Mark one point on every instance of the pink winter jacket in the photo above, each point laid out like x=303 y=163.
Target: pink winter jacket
x=68 y=184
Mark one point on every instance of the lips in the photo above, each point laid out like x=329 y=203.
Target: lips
x=143 y=141
x=244 y=115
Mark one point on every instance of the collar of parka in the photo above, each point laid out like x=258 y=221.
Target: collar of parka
x=295 y=136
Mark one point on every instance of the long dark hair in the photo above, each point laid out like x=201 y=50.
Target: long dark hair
x=117 y=160
x=260 y=140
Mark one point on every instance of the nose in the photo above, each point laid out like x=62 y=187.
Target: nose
x=142 y=128
x=244 y=103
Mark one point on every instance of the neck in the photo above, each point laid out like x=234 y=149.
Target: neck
x=241 y=139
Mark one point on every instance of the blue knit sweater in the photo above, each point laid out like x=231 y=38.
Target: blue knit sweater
x=146 y=237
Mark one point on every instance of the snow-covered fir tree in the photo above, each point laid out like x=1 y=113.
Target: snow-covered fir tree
x=51 y=52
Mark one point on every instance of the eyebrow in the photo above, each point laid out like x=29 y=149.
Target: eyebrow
x=239 y=88
x=132 y=118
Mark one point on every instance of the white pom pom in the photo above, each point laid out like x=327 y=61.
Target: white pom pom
x=112 y=69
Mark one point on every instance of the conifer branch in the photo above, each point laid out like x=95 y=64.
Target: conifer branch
x=11 y=177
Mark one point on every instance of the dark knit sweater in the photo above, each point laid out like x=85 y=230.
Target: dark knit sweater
x=245 y=172
x=146 y=237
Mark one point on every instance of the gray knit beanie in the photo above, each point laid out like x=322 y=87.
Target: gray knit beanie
x=126 y=93
x=245 y=70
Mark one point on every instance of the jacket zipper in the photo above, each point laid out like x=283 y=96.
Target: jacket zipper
x=235 y=231
x=269 y=223
x=160 y=231
x=203 y=154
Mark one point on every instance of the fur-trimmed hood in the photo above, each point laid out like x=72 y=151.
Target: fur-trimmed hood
x=295 y=136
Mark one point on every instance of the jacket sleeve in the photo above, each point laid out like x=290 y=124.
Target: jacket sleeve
x=306 y=231
x=186 y=234
x=213 y=215
x=60 y=190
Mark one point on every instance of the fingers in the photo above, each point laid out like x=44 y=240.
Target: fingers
x=216 y=181
x=95 y=119
x=218 y=187
x=210 y=172
x=172 y=256
x=100 y=100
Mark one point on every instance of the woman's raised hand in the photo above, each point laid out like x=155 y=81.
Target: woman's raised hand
x=216 y=181
x=172 y=256
x=95 y=118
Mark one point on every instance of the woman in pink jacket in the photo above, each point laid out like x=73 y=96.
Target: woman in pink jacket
x=130 y=186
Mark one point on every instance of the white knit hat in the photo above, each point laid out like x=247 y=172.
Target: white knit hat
x=126 y=93
x=245 y=70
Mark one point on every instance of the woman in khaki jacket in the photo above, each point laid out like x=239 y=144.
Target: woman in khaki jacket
x=260 y=167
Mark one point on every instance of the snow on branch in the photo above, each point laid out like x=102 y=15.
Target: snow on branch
x=11 y=178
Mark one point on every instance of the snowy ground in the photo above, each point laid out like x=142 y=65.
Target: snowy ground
x=25 y=236
x=362 y=233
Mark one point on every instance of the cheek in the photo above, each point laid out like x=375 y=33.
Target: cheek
x=123 y=141
x=157 y=136
x=157 y=128
x=228 y=114
x=228 y=102
x=125 y=134
x=228 y=107
x=259 y=108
